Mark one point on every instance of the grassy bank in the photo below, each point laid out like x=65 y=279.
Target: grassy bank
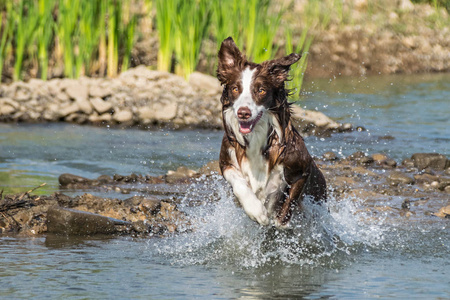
x=66 y=38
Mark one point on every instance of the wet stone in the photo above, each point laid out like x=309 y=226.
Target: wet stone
x=390 y=163
x=425 y=178
x=444 y=183
x=104 y=179
x=447 y=171
x=330 y=156
x=141 y=226
x=210 y=168
x=444 y=212
x=396 y=178
x=379 y=158
x=408 y=163
x=180 y=175
x=76 y=222
x=357 y=155
x=367 y=160
x=66 y=179
x=406 y=204
x=433 y=160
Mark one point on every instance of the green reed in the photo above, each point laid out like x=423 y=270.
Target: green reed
x=26 y=20
x=265 y=32
x=165 y=15
x=44 y=34
x=191 y=27
x=120 y=32
x=262 y=22
x=96 y=37
x=66 y=30
x=113 y=53
x=127 y=34
x=297 y=73
x=86 y=36
x=253 y=24
x=225 y=15
x=6 y=29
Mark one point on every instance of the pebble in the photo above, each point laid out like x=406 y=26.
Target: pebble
x=330 y=156
x=100 y=105
x=123 y=116
x=396 y=178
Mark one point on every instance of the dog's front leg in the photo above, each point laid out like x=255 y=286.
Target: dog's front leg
x=253 y=207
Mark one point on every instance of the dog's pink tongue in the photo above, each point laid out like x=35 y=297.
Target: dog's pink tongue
x=245 y=128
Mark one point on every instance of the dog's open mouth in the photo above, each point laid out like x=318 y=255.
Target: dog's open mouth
x=247 y=126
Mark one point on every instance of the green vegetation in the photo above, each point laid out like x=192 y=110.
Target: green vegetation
x=96 y=38
x=6 y=29
x=192 y=22
x=83 y=37
x=435 y=3
x=47 y=38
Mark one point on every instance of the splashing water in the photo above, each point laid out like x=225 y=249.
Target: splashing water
x=222 y=234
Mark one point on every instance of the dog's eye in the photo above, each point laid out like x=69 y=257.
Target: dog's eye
x=235 y=90
x=261 y=91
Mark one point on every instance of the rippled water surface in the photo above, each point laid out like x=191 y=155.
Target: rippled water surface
x=343 y=254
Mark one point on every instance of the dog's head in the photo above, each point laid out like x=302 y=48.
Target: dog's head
x=253 y=93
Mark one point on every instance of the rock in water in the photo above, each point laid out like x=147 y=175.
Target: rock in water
x=397 y=177
x=66 y=179
x=329 y=156
x=75 y=222
x=433 y=160
x=444 y=212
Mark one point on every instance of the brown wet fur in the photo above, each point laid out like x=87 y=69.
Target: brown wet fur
x=300 y=171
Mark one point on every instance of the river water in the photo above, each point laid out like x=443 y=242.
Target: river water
x=343 y=254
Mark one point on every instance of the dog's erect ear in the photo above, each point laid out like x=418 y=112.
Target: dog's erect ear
x=229 y=58
x=279 y=68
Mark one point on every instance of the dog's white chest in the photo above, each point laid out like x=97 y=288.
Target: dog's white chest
x=255 y=171
x=263 y=183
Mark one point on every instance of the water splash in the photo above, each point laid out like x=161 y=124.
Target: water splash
x=222 y=233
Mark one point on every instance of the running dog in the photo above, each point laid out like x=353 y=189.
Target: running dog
x=263 y=156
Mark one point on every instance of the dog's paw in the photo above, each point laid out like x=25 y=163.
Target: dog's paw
x=258 y=213
x=263 y=220
x=279 y=225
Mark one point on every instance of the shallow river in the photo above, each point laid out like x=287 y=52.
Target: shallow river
x=341 y=255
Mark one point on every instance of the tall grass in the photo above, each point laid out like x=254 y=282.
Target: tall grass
x=44 y=34
x=87 y=27
x=96 y=37
x=6 y=30
x=67 y=34
x=253 y=24
x=85 y=37
x=127 y=34
x=26 y=20
x=298 y=70
x=191 y=27
x=165 y=15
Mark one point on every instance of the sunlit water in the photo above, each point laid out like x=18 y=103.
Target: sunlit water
x=331 y=252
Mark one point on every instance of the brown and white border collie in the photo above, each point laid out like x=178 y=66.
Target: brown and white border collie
x=262 y=156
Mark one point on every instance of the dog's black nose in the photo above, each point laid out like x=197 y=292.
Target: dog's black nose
x=244 y=113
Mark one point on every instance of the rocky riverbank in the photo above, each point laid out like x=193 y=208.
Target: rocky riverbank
x=416 y=188
x=402 y=38
x=138 y=97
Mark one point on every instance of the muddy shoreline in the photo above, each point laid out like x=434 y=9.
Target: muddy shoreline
x=415 y=188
